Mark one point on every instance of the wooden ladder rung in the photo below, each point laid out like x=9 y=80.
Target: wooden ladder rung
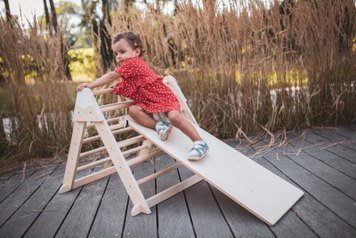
x=123 y=143
x=108 y=159
x=93 y=177
x=169 y=192
x=111 y=170
x=159 y=173
x=142 y=158
x=114 y=132
x=131 y=141
x=120 y=118
x=102 y=91
x=92 y=164
x=116 y=106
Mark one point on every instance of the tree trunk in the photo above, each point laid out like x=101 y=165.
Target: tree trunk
x=48 y=23
x=8 y=12
x=54 y=16
x=105 y=39
x=106 y=12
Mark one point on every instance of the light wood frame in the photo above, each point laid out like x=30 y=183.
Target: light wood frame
x=88 y=114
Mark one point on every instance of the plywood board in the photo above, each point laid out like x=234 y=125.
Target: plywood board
x=252 y=186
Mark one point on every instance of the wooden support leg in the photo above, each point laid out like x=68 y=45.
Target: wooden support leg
x=73 y=156
x=148 y=148
x=122 y=168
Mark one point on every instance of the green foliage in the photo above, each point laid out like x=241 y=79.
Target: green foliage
x=82 y=62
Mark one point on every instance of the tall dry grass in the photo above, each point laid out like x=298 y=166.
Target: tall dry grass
x=245 y=68
x=41 y=126
x=228 y=61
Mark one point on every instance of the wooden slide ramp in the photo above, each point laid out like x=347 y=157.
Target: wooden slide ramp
x=252 y=186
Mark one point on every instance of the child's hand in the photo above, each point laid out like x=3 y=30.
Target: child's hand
x=83 y=85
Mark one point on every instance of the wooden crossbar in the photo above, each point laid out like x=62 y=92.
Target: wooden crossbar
x=114 y=132
x=108 y=159
x=91 y=124
x=116 y=106
x=111 y=170
x=159 y=173
x=169 y=192
x=127 y=142
x=102 y=91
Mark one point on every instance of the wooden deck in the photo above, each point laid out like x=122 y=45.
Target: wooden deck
x=321 y=161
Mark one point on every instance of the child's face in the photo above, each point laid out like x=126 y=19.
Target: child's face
x=123 y=50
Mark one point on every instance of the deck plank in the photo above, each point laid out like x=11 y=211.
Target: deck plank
x=11 y=181
x=317 y=216
x=79 y=219
x=27 y=213
x=13 y=202
x=142 y=225
x=207 y=218
x=314 y=146
x=291 y=225
x=334 y=143
x=242 y=222
x=325 y=172
x=109 y=221
x=173 y=215
x=335 y=200
x=50 y=220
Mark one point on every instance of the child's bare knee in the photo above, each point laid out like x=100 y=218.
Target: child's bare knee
x=174 y=118
x=133 y=110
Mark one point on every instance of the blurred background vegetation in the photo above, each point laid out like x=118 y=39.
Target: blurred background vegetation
x=246 y=67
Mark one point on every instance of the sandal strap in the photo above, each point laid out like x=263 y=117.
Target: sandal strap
x=161 y=126
x=200 y=147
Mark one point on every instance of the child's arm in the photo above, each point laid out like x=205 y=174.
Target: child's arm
x=106 y=78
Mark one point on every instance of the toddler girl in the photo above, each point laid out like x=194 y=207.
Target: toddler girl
x=155 y=105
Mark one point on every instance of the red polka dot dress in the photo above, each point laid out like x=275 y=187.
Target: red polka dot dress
x=144 y=87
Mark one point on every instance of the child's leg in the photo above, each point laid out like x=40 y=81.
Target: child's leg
x=179 y=121
x=146 y=119
x=200 y=148
x=142 y=117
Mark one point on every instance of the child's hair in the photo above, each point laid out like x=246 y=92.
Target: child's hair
x=132 y=38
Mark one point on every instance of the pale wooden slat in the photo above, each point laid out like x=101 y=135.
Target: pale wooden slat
x=142 y=158
x=159 y=173
x=111 y=170
x=224 y=165
x=115 y=132
x=169 y=192
x=93 y=164
x=73 y=155
x=92 y=124
x=93 y=177
x=173 y=85
x=116 y=106
x=108 y=159
x=123 y=143
x=102 y=91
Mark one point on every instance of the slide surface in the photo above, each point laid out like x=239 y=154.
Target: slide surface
x=255 y=188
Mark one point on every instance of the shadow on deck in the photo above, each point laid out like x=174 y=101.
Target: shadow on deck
x=320 y=161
